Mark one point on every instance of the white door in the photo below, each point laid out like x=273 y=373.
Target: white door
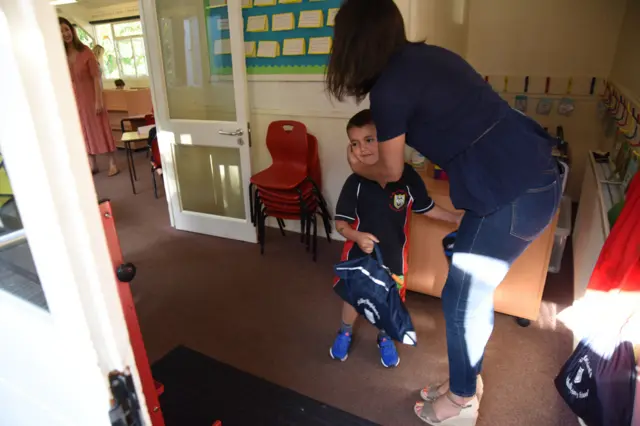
x=198 y=77
x=62 y=328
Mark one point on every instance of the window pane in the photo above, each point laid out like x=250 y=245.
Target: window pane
x=139 y=55
x=127 y=29
x=18 y=274
x=105 y=39
x=84 y=37
x=127 y=62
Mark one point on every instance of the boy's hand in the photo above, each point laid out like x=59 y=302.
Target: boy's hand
x=366 y=241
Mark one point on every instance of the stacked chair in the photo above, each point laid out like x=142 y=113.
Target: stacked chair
x=291 y=188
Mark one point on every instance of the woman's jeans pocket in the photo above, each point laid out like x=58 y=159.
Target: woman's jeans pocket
x=534 y=210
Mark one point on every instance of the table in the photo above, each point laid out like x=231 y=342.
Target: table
x=127 y=139
x=519 y=295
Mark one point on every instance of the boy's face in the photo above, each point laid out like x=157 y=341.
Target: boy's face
x=364 y=143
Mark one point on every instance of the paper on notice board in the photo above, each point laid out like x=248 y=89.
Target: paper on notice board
x=223 y=24
x=247 y=4
x=331 y=16
x=217 y=3
x=290 y=1
x=257 y=23
x=310 y=19
x=222 y=47
x=264 y=2
x=282 y=22
x=268 y=49
x=250 y=49
x=293 y=47
x=319 y=45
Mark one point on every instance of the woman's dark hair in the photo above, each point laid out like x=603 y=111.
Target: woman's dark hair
x=366 y=34
x=119 y=82
x=361 y=119
x=76 y=43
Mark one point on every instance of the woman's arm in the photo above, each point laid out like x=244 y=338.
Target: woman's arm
x=389 y=167
x=438 y=213
x=97 y=87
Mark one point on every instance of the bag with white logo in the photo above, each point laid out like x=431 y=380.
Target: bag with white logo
x=598 y=381
x=368 y=286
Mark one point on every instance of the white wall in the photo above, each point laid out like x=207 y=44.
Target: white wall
x=544 y=37
x=626 y=65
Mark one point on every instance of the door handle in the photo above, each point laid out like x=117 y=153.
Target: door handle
x=237 y=132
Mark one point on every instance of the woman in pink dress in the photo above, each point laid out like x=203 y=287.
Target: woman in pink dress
x=87 y=86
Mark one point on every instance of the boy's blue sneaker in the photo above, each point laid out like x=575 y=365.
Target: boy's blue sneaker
x=388 y=353
x=340 y=348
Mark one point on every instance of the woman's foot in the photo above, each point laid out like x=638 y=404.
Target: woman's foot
x=113 y=170
x=434 y=391
x=448 y=410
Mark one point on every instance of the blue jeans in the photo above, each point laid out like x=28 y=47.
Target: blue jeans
x=484 y=250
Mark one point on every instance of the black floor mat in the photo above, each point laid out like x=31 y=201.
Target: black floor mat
x=200 y=390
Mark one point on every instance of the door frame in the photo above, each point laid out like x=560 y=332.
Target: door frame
x=240 y=229
x=46 y=160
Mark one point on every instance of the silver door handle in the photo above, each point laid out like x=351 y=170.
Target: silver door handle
x=237 y=132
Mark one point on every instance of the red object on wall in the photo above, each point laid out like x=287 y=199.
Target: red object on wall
x=150 y=388
x=618 y=267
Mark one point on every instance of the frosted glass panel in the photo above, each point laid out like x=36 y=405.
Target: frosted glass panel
x=209 y=180
x=192 y=92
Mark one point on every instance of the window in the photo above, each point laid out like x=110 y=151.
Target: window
x=84 y=36
x=124 y=54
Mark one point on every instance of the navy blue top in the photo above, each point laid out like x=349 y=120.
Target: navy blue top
x=491 y=152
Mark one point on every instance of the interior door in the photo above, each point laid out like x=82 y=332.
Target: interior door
x=198 y=72
x=62 y=329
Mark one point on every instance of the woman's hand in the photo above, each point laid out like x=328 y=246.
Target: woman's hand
x=366 y=241
x=99 y=106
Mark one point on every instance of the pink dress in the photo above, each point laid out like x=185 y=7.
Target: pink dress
x=95 y=127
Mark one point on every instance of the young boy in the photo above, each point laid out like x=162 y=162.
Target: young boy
x=368 y=213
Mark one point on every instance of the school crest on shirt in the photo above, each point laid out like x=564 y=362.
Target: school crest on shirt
x=398 y=200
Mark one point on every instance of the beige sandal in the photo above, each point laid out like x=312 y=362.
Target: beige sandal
x=467 y=417
x=113 y=171
x=430 y=392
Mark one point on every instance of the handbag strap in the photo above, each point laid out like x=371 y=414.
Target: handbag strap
x=376 y=248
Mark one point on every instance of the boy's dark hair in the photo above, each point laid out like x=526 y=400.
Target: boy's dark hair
x=361 y=119
x=119 y=82
x=366 y=35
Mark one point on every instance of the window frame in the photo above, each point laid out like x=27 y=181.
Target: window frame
x=116 y=49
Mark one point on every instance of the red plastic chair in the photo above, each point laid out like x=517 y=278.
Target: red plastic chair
x=288 y=145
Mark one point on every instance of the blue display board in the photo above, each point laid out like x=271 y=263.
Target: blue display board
x=308 y=64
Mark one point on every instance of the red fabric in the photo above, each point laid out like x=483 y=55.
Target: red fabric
x=618 y=267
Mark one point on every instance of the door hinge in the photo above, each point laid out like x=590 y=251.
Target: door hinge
x=125 y=406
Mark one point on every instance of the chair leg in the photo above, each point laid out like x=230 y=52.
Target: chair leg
x=261 y=229
x=155 y=186
x=307 y=233
x=253 y=221
x=315 y=238
x=281 y=226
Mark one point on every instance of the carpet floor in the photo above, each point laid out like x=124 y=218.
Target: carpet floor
x=275 y=316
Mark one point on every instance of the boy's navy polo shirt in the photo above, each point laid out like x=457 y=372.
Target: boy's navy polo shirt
x=491 y=153
x=384 y=213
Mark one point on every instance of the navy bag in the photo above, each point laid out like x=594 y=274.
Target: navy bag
x=598 y=381
x=367 y=285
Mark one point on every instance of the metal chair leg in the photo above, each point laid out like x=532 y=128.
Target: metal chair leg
x=155 y=186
